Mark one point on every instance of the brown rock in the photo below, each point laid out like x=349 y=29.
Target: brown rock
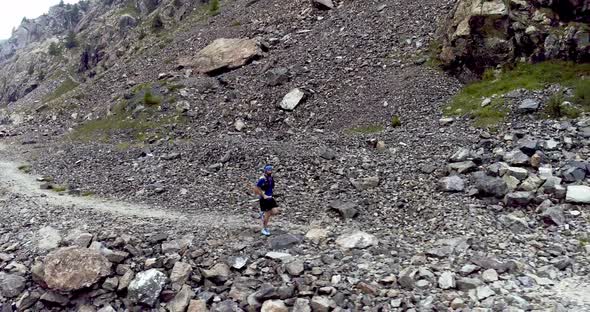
x=197 y=306
x=73 y=268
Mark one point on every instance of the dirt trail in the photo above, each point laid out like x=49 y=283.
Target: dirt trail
x=15 y=181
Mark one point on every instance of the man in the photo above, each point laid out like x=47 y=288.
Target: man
x=268 y=205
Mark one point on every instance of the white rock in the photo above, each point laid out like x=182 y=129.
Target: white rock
x=490 y=275
x=484 y=292
x=579 y=194
x=49 y=238
x=292 y=99
x=278 y=255
x=447 y=280
x=356 y=239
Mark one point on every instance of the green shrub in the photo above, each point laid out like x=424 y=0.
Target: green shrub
x=554 y=108
x=395 y=121
x=214 y=7
x=149 y=99
x=25 y=168
x=54 y=49
x=582 y=93
x=71 y=41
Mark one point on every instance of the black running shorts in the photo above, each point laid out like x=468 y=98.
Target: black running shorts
x=267 y=204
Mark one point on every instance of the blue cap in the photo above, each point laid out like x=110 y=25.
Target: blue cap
x=267 y=168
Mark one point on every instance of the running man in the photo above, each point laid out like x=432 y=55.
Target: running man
x=268 y=205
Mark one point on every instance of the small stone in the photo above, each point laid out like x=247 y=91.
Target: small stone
x=292 y=99
x=484 y=292
x=451 y=184
x=529 y=105
x=519 y=173
x=578 y=194
x=316 y=235
x=180 y=274
x=322 y=304
x=181 y=300
x=219 y=273
x=295 y=268
x=197 y=306
x=468 y=269
x=146 y=287
x=11 y=285
x=461 y=167
x=490 y=275
x=517 y=199
x=447 y=280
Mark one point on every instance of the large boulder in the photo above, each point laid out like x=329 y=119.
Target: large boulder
x=347 y=210
x=146 y=287
x=487 y=185
x=223 y=54
x=73 y=268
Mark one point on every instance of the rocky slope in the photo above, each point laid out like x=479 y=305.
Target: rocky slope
x=432 y=214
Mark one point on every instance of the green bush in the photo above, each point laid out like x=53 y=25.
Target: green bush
x=71 y=41
x=395 y=121
x=54 y=49
x=149 y=99
x=214 y=7
x=554 y=108
x=582 y=93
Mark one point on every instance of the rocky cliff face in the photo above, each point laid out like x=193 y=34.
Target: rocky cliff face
x=484 y=34
x=102 y=32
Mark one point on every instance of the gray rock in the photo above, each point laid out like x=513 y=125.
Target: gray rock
x=467 y=283
x=11 y=285
x=323 y=4
x=285 y=241
x=511 y=182
x=518 y=199
x=407 y=278
x=292 y=99
x=295 y=268
x=531 y=184
x=223 y=54
x=356 y=240
x=461 y=167
x=489 y=275
x=111 y=283
x=274 y=306
x=238 y=263
x=146 y=287
x=554 y=215
x=529 y=105
x=347 y=210
x=53 y=298
x=365 y=183
x=468 y=269
x=516 y=158
x=277 y=76
x=451 y=184
x=528 y=146
x=461 y=155
x=484 y=292
x=447 y=280
x=578 y=194
x=516 y=224
x=440 y=252
x=49 y=238
x=519 y=173
x=488 y=185
x=562 y=263
x=301 y=305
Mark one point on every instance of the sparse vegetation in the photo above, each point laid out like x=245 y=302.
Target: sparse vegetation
x=66 y=86
x=25 y=168
x=157 y=23
x=149 y=99
x=556 y=107
x=527 y=76
x=395 y=121
x=71 y=41
x=368 y=129
x=214 y=7
x=54 y=49
x=582 y=93
x=87 y=194
x=59 y=188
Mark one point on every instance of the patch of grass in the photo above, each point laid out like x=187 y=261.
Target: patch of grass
x=527 y=76
x=368 y=129
x=490 y=115
x=582 y=93
x=129 y=9
x=25 y=168
x=59 y=188
x=555 y=107
x=87 y=194
x=151 y=100
x=214 y=7
x=395 y=121
x=66 y=86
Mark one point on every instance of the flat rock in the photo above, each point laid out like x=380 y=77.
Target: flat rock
x=317 y=235
x=181 y=300
x=461 y=167
x=347 y=210
x=219 y=273
x=451 y=184
x=578 y=194
x=74 y=268
x=488 y=185
x=49 y=238
x=518 y=199
x=323 y=4
x=365 y=183
x=180 y=274
x=274 y=306
x=529 y=105
x=285 y=241
x=292 y=99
